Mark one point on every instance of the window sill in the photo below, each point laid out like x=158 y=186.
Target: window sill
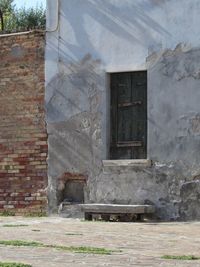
x=128 y=163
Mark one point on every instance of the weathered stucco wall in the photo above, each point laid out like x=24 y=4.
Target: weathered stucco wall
x=94 y=38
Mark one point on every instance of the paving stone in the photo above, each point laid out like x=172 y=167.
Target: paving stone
x=141 y=244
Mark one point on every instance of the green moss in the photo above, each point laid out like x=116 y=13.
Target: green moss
x=180 y=257
x=7 y=213
x=85 y=250
x=13 y=264
x=36 y=214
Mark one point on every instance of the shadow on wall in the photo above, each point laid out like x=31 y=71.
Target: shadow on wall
x=74 y=116
x=75 y=89
x=76 y=94
x=75 y=97
x=74 y=123
x=128 y=21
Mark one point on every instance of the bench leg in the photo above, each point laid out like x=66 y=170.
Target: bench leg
x=88 y=216
x=105 y=217
x=140 y=217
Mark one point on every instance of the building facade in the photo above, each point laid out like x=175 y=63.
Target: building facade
x=122 y=103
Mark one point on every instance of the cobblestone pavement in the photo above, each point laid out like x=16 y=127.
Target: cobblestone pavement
x=136 y=244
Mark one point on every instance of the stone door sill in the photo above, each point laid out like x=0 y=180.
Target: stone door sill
x=127 y=163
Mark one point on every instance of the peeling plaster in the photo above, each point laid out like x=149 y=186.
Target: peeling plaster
x=77 y=102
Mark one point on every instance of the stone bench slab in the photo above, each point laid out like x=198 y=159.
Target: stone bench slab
x=117 y=209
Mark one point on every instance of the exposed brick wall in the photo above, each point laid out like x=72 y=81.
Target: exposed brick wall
x=23 y=137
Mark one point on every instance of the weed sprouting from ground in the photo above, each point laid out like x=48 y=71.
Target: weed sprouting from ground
x=180 y=257
x=38 y=214
x=15 y=225
x=7 y=213
x=20 y=243
x=73 y=234
x=13 y=264
x=85 y=250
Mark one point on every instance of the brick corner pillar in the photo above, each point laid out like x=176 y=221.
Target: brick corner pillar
x=23 y=135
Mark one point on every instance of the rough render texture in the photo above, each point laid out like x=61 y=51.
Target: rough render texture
x=74 y=124
x=23 y=137
x=77 y=102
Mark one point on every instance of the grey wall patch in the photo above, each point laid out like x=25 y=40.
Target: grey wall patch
x=17 y=51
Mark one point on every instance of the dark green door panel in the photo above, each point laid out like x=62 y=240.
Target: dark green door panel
x=128 y=115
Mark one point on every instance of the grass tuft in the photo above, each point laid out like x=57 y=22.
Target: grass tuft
x=7 y=213
x=180 y=257
x=14 y=225
x=73 y=234
x=20 y=243
x=85 y=250
x=13 y=264
x=92 y=250
x=35 y=214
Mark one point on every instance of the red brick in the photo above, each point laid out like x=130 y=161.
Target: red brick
x=23 y=136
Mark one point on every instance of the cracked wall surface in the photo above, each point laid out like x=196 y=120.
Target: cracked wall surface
x=95 y=38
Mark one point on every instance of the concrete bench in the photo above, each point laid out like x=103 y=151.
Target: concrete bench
x=106 y=210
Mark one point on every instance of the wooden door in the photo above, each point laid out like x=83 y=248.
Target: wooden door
x=129 y=115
